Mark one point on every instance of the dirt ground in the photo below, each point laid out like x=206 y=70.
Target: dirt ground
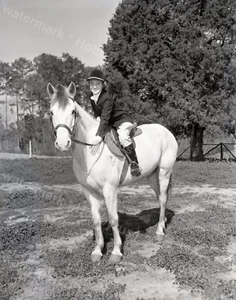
x=46 y=236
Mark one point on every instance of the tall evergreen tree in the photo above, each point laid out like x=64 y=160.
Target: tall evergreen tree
x=5 y=76
x=172 y=61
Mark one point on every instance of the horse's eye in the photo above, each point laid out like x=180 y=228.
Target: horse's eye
x=73 y=112
x=51 y=113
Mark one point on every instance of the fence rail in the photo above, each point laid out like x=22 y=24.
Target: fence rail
x=220 y=151
x=223 y=148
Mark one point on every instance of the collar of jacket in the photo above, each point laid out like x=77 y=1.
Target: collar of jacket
x=95 y=98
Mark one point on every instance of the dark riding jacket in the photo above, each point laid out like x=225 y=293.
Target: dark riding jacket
x=110 y=113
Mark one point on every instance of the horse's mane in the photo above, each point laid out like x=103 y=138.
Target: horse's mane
x=61 y=96
x=85 y=114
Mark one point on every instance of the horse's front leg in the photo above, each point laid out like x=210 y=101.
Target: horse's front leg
x=110 y=195
x=94 y=201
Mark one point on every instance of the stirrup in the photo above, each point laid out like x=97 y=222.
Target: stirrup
x=135 y=169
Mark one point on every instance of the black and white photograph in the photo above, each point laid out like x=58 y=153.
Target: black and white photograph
x=118 y=150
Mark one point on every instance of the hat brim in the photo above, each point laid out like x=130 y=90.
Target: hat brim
x=97 y=78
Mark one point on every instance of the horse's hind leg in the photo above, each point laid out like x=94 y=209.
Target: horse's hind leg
x=110 y=195
x=159 y=181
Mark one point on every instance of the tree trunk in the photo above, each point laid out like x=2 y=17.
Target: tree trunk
x=196 y=144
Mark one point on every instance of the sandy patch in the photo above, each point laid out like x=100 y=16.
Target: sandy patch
x=153 y=284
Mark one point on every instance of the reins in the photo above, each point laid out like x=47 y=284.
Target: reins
x=85 y=144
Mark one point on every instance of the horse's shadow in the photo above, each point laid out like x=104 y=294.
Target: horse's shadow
x=134 y=223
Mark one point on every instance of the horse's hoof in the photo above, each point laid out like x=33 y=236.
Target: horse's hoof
x=96 y=258
x=160 y=238
x=114 y=258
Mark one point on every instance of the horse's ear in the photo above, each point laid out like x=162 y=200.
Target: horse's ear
x=72 y=89
x=50 y=89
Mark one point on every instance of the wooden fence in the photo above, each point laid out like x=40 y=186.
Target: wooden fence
x=220 y=151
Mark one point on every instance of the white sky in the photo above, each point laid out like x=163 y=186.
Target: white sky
x=29 y=28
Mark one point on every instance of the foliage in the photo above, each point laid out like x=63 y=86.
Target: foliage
x=20 y=70
x=28 y=80
x=173 y=60
x=2 y=129
x=35 y=100
x=4 y=75
x=61 y=70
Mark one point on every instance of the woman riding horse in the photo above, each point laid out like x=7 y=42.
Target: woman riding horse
x=111 y=115
x=100 y=174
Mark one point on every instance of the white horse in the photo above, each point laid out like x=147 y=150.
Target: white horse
x=99 y=173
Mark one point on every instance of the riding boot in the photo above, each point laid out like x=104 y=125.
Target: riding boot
x=135 y=169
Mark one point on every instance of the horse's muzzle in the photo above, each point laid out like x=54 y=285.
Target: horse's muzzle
x=63 y=146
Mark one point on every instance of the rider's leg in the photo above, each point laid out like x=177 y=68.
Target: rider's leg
x=124 y=136
x=135 y=169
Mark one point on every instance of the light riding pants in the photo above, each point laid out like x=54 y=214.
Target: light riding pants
x=124 y=133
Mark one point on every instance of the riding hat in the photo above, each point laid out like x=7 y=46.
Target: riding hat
x=96 y=74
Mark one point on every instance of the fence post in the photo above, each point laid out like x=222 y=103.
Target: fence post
x=221 y=152
x=30 y=149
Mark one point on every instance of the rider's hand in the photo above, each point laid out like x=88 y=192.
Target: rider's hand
x=96 y=142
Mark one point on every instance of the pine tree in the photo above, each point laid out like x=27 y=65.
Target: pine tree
x=171 y=61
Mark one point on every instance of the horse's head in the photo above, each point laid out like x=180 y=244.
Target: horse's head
x=63 y=113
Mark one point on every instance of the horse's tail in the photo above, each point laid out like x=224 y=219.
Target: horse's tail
x=169 y=189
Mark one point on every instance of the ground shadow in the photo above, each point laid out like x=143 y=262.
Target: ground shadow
x=133 y=223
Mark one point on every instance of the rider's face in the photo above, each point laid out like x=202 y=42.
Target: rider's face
x=95 y=86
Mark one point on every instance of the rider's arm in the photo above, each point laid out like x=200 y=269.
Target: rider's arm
x=107 y=106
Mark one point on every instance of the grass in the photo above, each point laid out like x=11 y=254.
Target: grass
x=194 y=251
x=46 y=171
x=59 y=171
x=218 y=174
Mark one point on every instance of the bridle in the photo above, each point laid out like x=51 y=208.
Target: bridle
x=71 y=131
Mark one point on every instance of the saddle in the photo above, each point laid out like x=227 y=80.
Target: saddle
x=113 y=143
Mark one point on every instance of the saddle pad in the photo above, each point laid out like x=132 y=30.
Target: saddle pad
x=113 y=143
